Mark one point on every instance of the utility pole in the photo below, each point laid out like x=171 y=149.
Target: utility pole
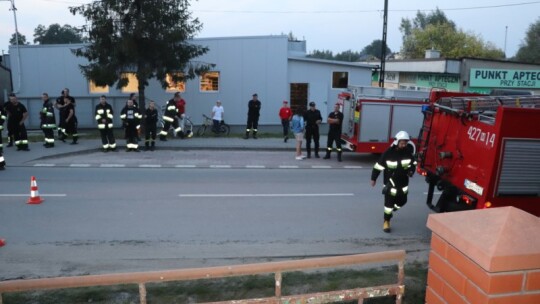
x=505 y=35
x=383 y=45
x=16 y=42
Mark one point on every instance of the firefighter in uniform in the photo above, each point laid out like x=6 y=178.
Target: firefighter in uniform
x=2 y=119
x=313 y=118
x=150 y=122
x=170 y=117
x=131 y=117
x=398 y=164
x=335 y=119
x=2 y=161
x=254 y=111
x=61 y=106
x=48 y=121
x=71 y=120
x=104 y=117
x=17 y=114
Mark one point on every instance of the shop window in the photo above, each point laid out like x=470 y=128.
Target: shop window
x=340 y=80
x=133 y=84
x=95 y=89
x=175 y=86
x=209 y=82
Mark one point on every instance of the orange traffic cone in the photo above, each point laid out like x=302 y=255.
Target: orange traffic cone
x=34 y=193
x=2 y=242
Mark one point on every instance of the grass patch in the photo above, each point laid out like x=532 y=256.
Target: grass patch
x=239 y=288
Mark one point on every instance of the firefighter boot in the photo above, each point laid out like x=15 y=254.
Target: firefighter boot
x=386 y=226
x=254 y=134
x=339 y=156
x=247 y=135
x=327 y=156
x=10 y=143
x=146 y=146
x=317 y=153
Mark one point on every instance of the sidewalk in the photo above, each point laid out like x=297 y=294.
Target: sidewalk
x=37 y=151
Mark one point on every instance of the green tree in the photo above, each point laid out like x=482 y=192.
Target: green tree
x=348 y=55
x=13 y=39
x=435 y=31
x=529 y=51
x=325 y=54
x=374 y=49
x=148 y=38
x=56 y=34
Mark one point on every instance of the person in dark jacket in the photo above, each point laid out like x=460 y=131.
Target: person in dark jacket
x=335 y=119
x=47 y=121
x=60 y=105
x=150 y=123
x=3 y=116
x=71 y=120
x=104 y=117
x=398 y=164
x=17 y=114
x=254 y=111
x=131 y=118
x=312 y=118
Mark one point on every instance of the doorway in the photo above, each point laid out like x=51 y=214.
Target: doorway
x=299 y=95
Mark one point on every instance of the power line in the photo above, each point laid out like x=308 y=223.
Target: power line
x=363 y=11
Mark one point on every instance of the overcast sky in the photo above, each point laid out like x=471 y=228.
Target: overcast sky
x=337 y=25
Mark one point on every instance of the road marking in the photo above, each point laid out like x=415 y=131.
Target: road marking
x=80 y=165
x=435 y=193
x=321 y=167
x=220 y=166
x=44 y=165
x=352 y=167
x=150 y=166
x=46 y=195
x=112 y=165
x=267 y=195
x=185 y=166
x=288 y=167
x=255 y=167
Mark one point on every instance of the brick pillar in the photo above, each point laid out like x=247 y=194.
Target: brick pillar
x=489 y=256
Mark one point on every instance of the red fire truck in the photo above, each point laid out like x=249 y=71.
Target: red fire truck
x=372 y=116
x=481 y=151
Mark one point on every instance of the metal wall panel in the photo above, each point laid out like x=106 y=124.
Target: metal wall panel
x=371 y=116
x=520 y=171
x=407 y=118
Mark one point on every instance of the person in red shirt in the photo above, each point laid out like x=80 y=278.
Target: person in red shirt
x=181 y=106
x=285 y=114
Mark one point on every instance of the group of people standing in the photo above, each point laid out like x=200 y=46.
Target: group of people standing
x=306 y=124
x=132 y=118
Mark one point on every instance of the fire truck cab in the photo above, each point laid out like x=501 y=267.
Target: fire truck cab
x=481 y=151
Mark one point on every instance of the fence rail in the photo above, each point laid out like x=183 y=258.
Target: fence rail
x=142 y=278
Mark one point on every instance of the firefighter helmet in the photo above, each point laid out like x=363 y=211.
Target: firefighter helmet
x=401 y=135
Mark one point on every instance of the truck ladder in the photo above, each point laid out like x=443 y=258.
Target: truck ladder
x=487 y=104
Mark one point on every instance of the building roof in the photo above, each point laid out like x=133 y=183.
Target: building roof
x=333 y=62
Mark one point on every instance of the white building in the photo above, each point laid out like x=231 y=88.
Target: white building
x=271 y=66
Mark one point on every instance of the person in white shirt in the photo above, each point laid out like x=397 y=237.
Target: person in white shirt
x=217 y=116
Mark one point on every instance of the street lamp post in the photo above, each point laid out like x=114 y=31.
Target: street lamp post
x=14 y=9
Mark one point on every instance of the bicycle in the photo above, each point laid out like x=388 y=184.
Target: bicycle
x=188 y=124
x=208 y=124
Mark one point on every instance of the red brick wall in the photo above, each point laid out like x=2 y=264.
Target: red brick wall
x=454 y=278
